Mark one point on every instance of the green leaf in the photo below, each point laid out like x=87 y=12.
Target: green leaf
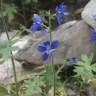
x=80 y=63
x=86 y=59
x=3 y=91
x=49 y=77
x=91 y=57
x=35 y=1
x=78 y=70
x=32 y=86
x=5 y=52
x=9 y=11
x=5 y=49
x=93 y=66
x=84 y=68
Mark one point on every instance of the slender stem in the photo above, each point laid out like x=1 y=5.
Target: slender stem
x=24 y=15
x=52 y=57
x=12 y=59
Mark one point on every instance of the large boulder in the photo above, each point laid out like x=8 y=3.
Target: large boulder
x=74 y=41
x=89 y=13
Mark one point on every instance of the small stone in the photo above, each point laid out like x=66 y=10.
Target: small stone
x=6 y=71
x=71 y=92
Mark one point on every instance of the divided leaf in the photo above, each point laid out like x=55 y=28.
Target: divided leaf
x=85 y=68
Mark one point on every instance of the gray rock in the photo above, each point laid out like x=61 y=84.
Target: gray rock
x=74 y=41
x=4 y=39
x=23 y=43
x=88 y=13
x=6 y=71
x=71 y=92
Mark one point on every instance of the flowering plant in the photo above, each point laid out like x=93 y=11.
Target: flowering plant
x=47 y=48
x=61 y=11
x=37 y=22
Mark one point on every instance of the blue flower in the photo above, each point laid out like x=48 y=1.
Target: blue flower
x=47 y=48
x=60 y=18
x=36 y=26
x=61 y=8
x=61 y=11
x=73 y=61
x=93 y=35
x=37 y=21
x=42 y=31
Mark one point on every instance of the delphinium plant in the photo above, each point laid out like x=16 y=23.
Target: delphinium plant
x=46 y=47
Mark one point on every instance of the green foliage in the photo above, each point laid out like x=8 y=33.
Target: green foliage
x=32 y=86
x=3 y=91
x=60 y=90
x=5 y=52
x=84 y=68
x=35 y=1
x=49 y=78
x=9 y=10
x=29 y=1
x=6 y=48
x=62 y=66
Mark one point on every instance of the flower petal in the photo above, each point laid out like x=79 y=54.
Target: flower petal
x=50 y=51
x=46 y=43
x=61 y=11
x=60 y=8
x=93 y=36
x=45 y=57
x=35 y=27
x=73 y=60
x=54 y=44
x=43 y=31
x=38 y=19
x=41 y=48
x=60 y=18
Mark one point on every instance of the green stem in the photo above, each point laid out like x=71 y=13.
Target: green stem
x=52 y=58
x=12 y=59
x=62 y=66
x=24 y=15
